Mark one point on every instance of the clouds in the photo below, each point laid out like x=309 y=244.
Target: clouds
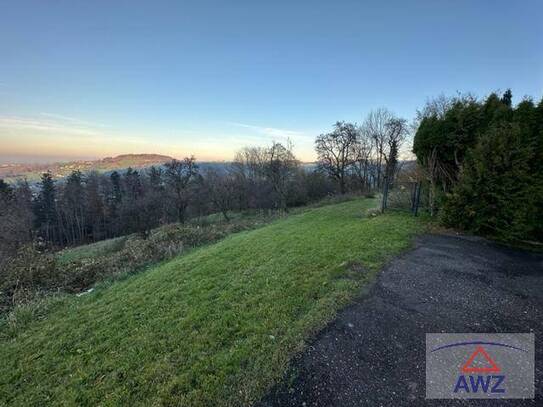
x=20 y=124
x=49 y=134
x=72 y=120
x=272 y=132
x=52 y=134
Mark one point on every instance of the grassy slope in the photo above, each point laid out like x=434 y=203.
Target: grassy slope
x=101 y=248
x=248 y=219
x=214 y=327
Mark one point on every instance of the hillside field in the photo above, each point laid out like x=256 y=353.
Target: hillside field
x=216 y=326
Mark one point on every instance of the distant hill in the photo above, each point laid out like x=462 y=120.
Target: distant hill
x=32 y=172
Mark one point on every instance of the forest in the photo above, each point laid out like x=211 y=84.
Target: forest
x=88 y=207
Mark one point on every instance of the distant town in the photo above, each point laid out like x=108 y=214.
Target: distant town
x=32 y=172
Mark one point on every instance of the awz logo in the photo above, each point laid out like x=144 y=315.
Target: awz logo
x=485 y=383
x=479 y=383
x=480 y=366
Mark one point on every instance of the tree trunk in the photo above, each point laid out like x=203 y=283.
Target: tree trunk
x=225 y=214
x=342 y=185
x=432 y=196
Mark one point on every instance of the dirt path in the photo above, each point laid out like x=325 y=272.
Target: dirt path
x=374 y=353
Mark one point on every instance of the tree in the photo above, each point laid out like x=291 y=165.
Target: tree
x=396 y=131
x=374 y=127
x=246 y=169
x=220 y=189
x=507 y=98
x=72 y=204
x=494 y=195
x=156 y=178
x=336 y=152
x=95 y=214
x=387 y=132
x=112 y=202
x=485 y=157
x=15 y=217
x=279 y=167
x=180 y=176
x=364 y=163
x=444 y=135
x=46 y=219
x=116 y=184
x=132 y=193
x=5 y=189
x=156 y=196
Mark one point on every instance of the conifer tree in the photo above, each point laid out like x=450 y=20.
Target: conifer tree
x=45 y=211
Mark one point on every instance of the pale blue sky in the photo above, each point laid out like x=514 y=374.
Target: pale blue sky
x=96 y=78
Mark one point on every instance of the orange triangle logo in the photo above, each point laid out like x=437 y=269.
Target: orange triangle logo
x=468 y=368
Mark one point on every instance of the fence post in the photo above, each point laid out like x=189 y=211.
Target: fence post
x=385 y=196
x=413 y=196
x=417 y=198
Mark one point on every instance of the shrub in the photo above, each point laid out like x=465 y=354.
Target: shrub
x=31 y=274
x=496 y=195
x=26 y=274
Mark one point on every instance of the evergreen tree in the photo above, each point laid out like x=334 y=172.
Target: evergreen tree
x=94 y=207
x=5 y=189
x=73 y=208
x=45 y=211
x=496 y=154
x=507 y=98
x=116 y=183
x=112 y=202
x=493 y=194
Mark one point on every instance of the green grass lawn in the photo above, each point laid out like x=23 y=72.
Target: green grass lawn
x=248 y=219
x=102 y=248
x=217 y=326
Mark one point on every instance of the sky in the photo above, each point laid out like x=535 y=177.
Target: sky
x=89 y=79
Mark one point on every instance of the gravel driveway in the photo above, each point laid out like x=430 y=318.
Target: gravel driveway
x=374 y=352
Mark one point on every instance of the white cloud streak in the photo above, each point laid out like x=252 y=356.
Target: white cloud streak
x=272 y=132
x=63 y=129
x=45 y=125
x=68 y=119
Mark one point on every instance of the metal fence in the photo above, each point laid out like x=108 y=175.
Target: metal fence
x=409 y=196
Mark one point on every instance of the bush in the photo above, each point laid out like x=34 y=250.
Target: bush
x=497 y=195
x=25 y=275
x=31 y=274
x=487 y=159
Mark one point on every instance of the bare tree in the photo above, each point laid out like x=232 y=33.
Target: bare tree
x=436 y=107
x=246 y=171
x=221 y=190
x=179 y=176
x=335 y=152
x=387 y=132
x=279 y=166
x=374 y=128
x=364 y=165
x=397 y=130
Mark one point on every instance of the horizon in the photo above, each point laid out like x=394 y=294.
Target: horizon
x=44 y=160
x=88 y=81
x=41 y=160
x=244 y=203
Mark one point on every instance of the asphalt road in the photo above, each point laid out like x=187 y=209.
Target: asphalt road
x=374 y=352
